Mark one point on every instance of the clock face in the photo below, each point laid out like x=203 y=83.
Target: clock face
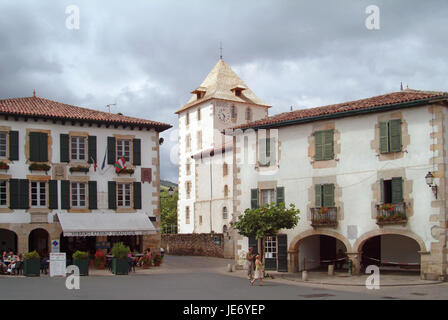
x=223 y=114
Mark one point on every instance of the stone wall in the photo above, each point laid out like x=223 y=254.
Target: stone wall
x=194 y=244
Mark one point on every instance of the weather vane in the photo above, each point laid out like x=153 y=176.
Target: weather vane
x=220 y=50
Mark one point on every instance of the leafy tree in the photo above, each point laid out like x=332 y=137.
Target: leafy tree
x=168 y=206
x=266 y=221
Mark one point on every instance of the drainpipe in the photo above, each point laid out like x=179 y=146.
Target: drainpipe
x=211 y=195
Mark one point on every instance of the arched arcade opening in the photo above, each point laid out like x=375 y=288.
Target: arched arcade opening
x=8 y=241
x=39 y=240
x=391 y=252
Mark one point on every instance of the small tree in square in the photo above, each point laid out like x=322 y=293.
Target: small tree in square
x=266 y=221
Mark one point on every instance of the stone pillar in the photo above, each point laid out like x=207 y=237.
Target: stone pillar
x=356 y=258
x=293 y=256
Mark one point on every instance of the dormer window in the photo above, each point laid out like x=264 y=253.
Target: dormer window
x=237 y=90
x=199 y=92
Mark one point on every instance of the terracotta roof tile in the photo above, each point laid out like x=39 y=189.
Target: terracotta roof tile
x=40 y=107
x=376 y=102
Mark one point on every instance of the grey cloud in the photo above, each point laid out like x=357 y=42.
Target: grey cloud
x=148 y=55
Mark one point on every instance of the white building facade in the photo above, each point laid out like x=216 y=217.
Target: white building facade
x=357 y=172
x=53 y=185
x=206 y=183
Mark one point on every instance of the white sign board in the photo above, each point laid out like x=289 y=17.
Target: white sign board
x=55 y=246
x=57 y=264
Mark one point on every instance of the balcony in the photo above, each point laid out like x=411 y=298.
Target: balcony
x=391 y=213
x=324 y=217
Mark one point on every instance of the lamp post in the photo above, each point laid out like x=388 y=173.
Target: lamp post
x=430 y=182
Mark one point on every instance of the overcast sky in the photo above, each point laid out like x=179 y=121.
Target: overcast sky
x=148 y=55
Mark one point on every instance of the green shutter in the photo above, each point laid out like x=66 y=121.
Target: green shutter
x=328 y=198
x=136 y=150
x=112 y=194
x=318 y=195
x=282 y=254
x=91 y=141
x=328 y=144
x=254 y=198
x=18 y=194
x=64 y=145
x=24 y=191
x=397 y=190
x=384 y=138
x=65 y=194
x=395 y=135
x=111 y=158
x=280 y=195
x=319 y=145
x=93 y=195
x=43 y=147
x=382 y=190
x=53 y=192
x=34 y=146
x=137 y=195
x=13 y=145
x=14 y=193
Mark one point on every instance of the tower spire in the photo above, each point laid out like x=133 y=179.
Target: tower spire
x=220 y=50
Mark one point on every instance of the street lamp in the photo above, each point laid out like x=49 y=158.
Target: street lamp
x=430 y=182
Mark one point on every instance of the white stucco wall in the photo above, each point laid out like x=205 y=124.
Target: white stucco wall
x=19 y=169
x=356 y=172
x=199 y=201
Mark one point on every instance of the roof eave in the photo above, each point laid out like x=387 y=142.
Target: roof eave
x=343 y=114
x=158 y=127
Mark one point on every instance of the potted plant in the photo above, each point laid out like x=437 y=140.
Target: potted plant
x=81 y=260
x=39 y=167
x=157 y=260
x=323 y=210
x=126 y=171
x=100 y=259
x=31 y=264
x=79 y=169
x=120 y=263
x=4 y=165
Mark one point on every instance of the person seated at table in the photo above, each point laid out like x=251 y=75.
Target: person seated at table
x=18 y=265
x=146 y=256
x=13 y=260
x=3 y=266
x=11 y=256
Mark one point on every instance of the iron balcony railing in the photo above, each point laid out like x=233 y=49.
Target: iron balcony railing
x=391 y=213
x=324 y=216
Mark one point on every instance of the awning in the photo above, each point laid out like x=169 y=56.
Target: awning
x=105 y=224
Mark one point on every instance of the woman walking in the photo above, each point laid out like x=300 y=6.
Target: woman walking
x=259 y=271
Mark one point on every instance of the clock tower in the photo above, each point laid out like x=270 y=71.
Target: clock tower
x=221 y=101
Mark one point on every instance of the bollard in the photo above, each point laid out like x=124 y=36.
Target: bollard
x=304 y=275
x=331 y=269
x=229 y=268
x=350 y=267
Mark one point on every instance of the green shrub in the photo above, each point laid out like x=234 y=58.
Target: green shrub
x=120 y=251
x=80 y=255
x=32 y=255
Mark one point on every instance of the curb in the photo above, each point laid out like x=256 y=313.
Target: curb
x=361 y=285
